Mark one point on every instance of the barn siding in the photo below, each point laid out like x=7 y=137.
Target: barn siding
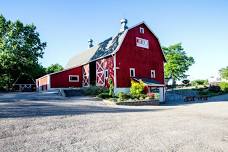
x=85 y=75
x=143 y=60
x=61 y=79
x=101 y=66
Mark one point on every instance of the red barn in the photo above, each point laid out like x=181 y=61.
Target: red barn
x=133 y=53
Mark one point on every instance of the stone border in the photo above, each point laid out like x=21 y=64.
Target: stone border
x=133 y=103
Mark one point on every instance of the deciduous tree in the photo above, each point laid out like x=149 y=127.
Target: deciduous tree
x=20 y=49
x=178 y=62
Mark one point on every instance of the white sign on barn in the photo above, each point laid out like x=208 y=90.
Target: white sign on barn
x=142 y=43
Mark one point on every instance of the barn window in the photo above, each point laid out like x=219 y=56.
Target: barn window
x=106 y=73
x=73 y=78
x=152 y=73
x=141 y=30
x=132 y=72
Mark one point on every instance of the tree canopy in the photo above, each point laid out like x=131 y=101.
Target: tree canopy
x=54 y=68
x=20 y=49
x=224 y=73
x=178 y=62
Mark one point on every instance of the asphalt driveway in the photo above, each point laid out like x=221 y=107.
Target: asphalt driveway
x=47 y=122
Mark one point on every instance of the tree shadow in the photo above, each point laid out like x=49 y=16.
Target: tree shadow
x=41 y=109
x=221 y=98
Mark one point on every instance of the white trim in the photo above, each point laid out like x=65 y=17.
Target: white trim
x=152 y=74
x=48 y=82
x=143 y=43
x=115 y=80
x=70 y=76
x=132 y=69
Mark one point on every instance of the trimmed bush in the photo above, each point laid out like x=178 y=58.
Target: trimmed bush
x=224 y=86
x=104 y=95
x=122 y=96
x=94 y=90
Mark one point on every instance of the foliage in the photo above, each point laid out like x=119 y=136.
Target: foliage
x=54 y=68
x=178 y=62
x=122 y=96
x=224 y=86
x=20 y=49
x=104 y=95
x=151 y=95
x=199 y=82
x=137 y=88
x=111 y=87
x=94 y=90
x=186 y=82
x=214 y=88
x=224 y=73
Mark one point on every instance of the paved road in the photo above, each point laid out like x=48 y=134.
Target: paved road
x=46 y=122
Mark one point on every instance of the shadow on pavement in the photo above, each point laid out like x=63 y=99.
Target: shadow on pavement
x=15 y=105
x=37 y=110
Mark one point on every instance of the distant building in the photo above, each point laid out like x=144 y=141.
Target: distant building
x=133 y=53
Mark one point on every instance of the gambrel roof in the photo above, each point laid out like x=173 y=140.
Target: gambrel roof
x=106 y=48
x=103 y=49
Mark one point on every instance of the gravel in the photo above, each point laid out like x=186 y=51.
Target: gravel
x=46 y=122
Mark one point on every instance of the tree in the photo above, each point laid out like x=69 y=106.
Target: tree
x=178 y=62
x=54 y=68
x=20 y=49
x=199 y=82
x=224 y=73
x=186 y=82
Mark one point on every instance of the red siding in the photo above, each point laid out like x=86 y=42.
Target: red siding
x=61 y=79
x=143 y=60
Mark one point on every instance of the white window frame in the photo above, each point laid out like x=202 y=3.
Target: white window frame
x=106 y=73
x=70 y=76
x=143 y=43
x=152 y=74
x=132 y=69
x=141 y=30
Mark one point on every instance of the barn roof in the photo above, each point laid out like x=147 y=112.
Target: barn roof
x=103 y=49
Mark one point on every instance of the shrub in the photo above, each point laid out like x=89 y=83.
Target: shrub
x=122 y=96
x=94 y=90
x=104 y=95
x=186 y=82
x=137 y=88
x=199 y=82
x=224 y=86
x=111 y=87
x=214 y=88
x=151 y=95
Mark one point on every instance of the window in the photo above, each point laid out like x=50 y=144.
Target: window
x=73 y=78
x=141 y=30
x=152 y=73
x=143 y=43
x=106 y=73
x=132 y=72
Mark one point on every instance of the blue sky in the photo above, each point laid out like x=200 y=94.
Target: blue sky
x=201 y=26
